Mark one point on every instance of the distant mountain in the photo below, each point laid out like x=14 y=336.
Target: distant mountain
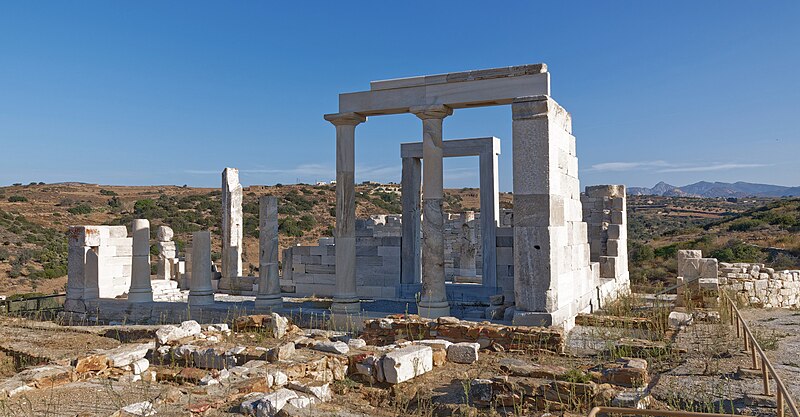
x=717 y=189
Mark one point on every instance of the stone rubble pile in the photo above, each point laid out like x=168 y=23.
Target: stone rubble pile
x=267 y=366
x=387 y=330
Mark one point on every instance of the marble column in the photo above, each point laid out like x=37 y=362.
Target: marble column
x=433 y=299
x=140 y=290
x=345 y=299
x=232 y=230
x=200 y=290
x=410 y=272
x=490 y=213
x=269 y=285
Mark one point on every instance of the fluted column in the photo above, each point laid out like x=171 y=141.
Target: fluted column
x=140 y=290
x=345 y=298
x=269 y=285
x=200 y=290
x=433 y=300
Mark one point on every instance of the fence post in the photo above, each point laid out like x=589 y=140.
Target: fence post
x=753 y=353
x=779 y=402
x=765 y=375
x=745 y=337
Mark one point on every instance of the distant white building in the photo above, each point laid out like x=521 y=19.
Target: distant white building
x=321 y=183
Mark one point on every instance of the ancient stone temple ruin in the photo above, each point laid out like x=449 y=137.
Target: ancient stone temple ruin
x=557 y=253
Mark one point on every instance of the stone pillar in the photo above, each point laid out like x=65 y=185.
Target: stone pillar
x=140 y=291
x=232 y=228
x=490 y=213
x=410 y=272
x=345 y=299
x=467 y=247
x=553 y=279
x=76 y=270
x=269 y=283
x=166 y=252
x=433 y=300
x=200 y=291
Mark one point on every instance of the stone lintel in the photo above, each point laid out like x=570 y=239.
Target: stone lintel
x=455 y=147
x=463 y=76
x=456 y=95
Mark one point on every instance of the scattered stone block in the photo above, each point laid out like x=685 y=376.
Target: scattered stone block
x=340 y=348
x=521 y=368
x=406 y=363
x=627 y=372
x=463 y=352
x=13 y=387
x=142 y=409
x=272 y=403
x=480 y=392
x=632 y=398
x=274 y=322
x=169 y=333
x=140 y=366
x=93 y=363
x=282 y=352
x=678 y=319
x=321 y=390
x=276 y=378
x=127 y=354
x=356 y=343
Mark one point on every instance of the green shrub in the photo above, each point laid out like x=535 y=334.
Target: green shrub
x=744 y=225
x=640 y=252
x=80 y=209
x=143 y=206
x=666 y=252
x=738 y=251
x=17 y=199
x=107 y=192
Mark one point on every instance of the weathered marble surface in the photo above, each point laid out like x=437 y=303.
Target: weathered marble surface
x=345 y=297
x=269 y=286
x=232 y=228
x=140 y=291
x=200 y=290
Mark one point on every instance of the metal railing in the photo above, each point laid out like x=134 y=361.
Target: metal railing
x=783 y=396
x=33 y=304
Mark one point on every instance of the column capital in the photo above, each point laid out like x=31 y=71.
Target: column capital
x=439 y=111
x=344 y=119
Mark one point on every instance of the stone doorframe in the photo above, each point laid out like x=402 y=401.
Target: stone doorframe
x=487 y=149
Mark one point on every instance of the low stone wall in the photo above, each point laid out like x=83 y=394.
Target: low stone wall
x=758 y=286
x=388 y=330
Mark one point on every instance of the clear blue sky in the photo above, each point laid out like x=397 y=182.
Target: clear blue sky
x=153 y=92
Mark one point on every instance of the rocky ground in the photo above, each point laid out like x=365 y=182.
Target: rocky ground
x=400 y=365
